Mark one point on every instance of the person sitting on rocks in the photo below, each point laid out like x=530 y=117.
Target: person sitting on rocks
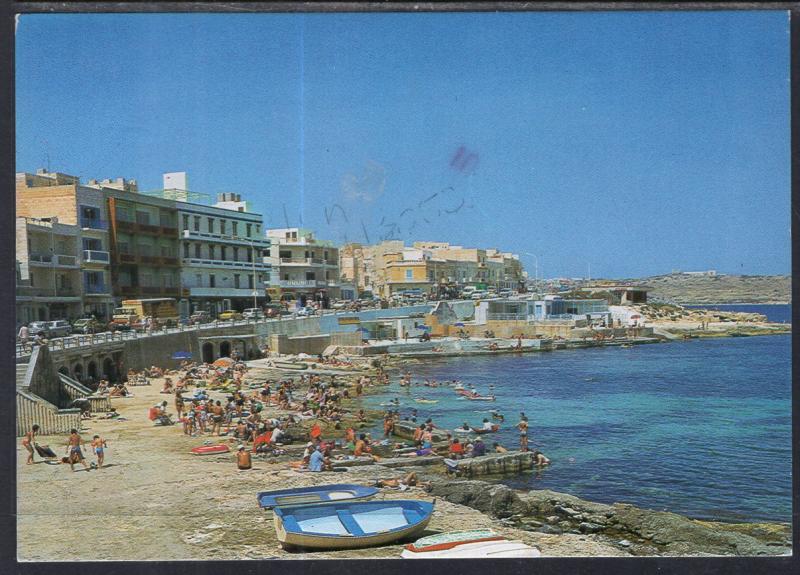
x=539 y=459
x=167 y=387
x=499 y=448
x=478 y=448
x=456 y=449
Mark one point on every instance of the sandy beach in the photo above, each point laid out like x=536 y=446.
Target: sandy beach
x=154 y=500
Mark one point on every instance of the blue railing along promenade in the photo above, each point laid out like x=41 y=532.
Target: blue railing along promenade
x=327 y=321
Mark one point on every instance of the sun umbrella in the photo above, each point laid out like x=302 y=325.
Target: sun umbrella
x=458 y=324
x=223 y=362
x=182 y=355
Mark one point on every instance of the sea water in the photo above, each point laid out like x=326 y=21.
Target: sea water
x=699 y=427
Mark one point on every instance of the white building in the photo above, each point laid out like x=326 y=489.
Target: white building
x=304 y=267
x=222 y=256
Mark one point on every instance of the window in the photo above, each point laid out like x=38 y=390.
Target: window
x=123 y=247
x=250 y=281
x=258 y=229
x=197 y=252
x=311 y=276
x=143 y=218
x=165 y=220
x=249 y=230
x=236 y=254
x=249 y=254
x=185 y=222
x=325 y=256
x=235 y=228
x=222 y=226
x=236 y=278
x=166 y=251
x=212 y=280
x=197 y=223
x=224 y=252
x=145 y=250
x=210 y=252
x=186 y=250
x=198 y=278
x=409 y=274
x=211 y=225
x=124 y=214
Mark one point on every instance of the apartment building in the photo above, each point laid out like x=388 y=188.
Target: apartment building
x=48 y=270
x=222 y=256
x=304 y=267
x=143 y=235
x=54 y=196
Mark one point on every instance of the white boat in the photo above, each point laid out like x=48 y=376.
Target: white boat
x=501 y=549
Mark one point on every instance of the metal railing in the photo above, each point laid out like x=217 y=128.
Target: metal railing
x=94 y=223
x=97 y=256
x=80 y=341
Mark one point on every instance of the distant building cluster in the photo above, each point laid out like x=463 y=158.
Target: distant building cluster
x=430 y=269
x=83 y=248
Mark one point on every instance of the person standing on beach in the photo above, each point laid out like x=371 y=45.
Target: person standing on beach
x=523 y=433
x=24 y=335
x=74 y=450
x=98 y=446
x=28 y=442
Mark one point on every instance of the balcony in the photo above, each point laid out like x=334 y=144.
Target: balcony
x=96 y=289
x=148 y=260
x=53 y=260
x=96 y=257
x=227 y=264
x=225 y=238
x=314 y=262
x=148 y=229
x=94 y=223
x=47 y=294
x=149 y=291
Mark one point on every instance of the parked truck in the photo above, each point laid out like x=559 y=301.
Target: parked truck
x=133 y=311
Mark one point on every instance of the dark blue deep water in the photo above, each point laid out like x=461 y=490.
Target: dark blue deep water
x=701 y=428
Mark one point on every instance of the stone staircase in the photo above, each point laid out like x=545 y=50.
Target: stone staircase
x=22 y=370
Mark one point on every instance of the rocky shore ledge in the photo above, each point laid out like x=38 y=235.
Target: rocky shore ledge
x=634 y=530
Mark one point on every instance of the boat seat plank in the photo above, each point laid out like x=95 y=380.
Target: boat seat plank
x=290 y=524
x=347 y=520
x=412 y=516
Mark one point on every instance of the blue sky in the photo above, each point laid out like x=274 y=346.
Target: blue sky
x=634 y=143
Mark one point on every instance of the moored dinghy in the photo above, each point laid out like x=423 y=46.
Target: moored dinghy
x=449 y=539
x=314 y=494
x=350 y=524
x=496 y=549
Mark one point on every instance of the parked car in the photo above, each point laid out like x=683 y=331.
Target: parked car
x=87 y=325
x=38 y=327
x=200 y=317
x=229 y=314
x=306 y=312
x=59 y=328
x=253 y=313
x=479 y=295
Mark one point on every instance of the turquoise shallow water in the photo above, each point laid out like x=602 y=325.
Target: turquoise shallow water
x=701 y=428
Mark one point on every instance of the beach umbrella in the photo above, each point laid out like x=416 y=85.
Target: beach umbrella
x=458 y=324
x=182 y=355
x=223 y=362
x=423 y=326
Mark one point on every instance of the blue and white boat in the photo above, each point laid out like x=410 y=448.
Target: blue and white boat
x=314 y=494
x=351 y=524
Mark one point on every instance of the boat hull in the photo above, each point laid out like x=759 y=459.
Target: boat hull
x=295 y=535
x=314 y=495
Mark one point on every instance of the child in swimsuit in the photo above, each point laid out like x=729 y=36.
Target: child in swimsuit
x=98 y=446
x=28 y=442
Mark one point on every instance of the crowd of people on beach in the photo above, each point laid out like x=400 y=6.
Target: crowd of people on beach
x=305 y=408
